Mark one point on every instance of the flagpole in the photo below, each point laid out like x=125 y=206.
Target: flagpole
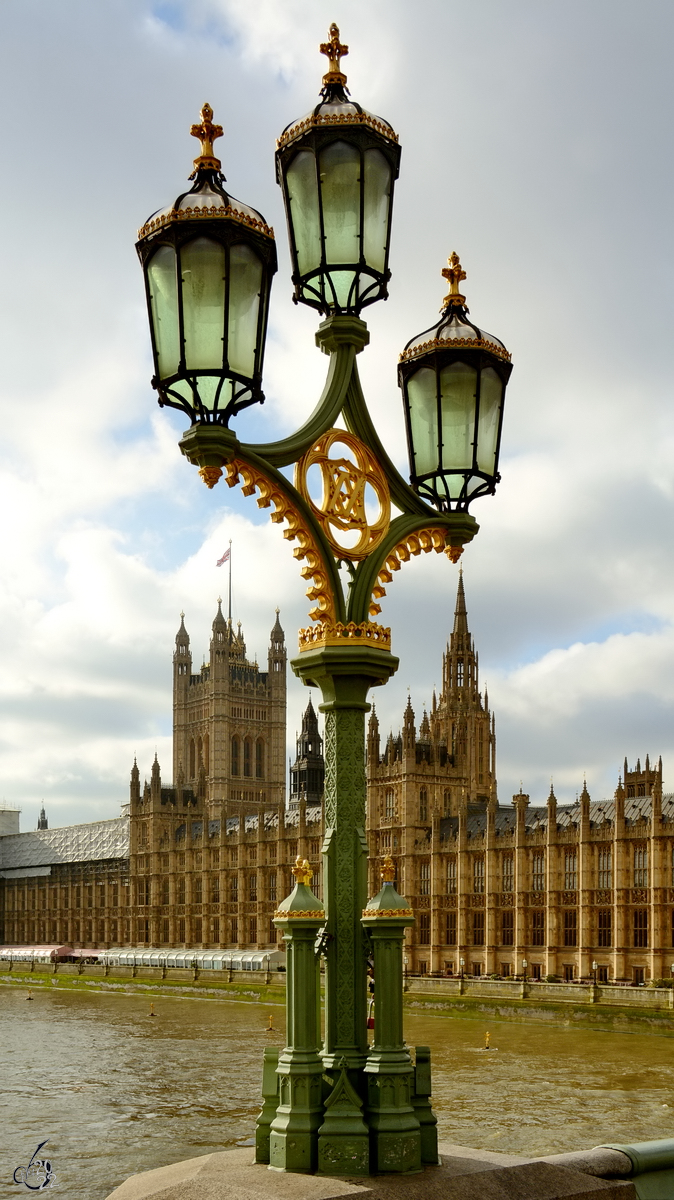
x=230 y=581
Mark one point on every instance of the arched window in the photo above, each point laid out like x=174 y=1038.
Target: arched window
x=200 y=751
x=446 y=802
x=259 y=759
x=192 y=760
x=390 y=804
x=248 y=756
x=423 y=804
x=236 y=769
x=207 y=753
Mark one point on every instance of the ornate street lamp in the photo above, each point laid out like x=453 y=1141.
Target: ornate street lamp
x=453 y=379
x=337 y=168
x=208 y=262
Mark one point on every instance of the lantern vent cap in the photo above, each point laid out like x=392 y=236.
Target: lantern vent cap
x=207 y=198
x=335 y=107
x=454 y=329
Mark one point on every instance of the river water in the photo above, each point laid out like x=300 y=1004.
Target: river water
x=115 y=1090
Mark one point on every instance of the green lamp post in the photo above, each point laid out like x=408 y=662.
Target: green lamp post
x=208 y=263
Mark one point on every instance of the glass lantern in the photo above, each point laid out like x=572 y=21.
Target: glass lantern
x=337 y=167
x=453 y=379
x=208 y=262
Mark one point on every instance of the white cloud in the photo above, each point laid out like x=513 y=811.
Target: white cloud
x=537 y=153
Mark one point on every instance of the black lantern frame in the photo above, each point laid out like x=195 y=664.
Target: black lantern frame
x=453 y=378
x=214 y=390
x=338 y=150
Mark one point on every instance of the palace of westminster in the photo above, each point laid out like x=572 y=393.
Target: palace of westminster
x=203 y=862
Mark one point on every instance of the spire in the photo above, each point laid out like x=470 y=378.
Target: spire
x=182 y=636
x=277 y=633
x=460 y=614
x=43 y=822
x=219 y=622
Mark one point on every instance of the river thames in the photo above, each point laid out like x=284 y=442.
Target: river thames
x=116 y=1091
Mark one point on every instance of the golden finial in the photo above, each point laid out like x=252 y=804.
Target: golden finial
x=454 y=273
x=388 y=870
x=207 y=132
x=303 y=871
x=334 y=51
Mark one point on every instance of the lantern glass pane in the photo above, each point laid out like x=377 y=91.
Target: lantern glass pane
x=491 y=394
x=339 y=166
x=163 y=286
x=245 y=283
x=202 y=264
x=376 y=204
x=303 y=194
x=423 y=410
x=457 y=386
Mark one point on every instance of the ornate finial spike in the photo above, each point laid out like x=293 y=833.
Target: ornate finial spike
x=207 y=132
x=303 y=871
x=388 y=871
x=454 y=274
x=334 y=51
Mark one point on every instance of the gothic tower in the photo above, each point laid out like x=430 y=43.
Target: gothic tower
x=307 y=773
x=229 y=719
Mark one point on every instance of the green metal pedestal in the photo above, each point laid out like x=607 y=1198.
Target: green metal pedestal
x=395 y=1135
x=293 y=1131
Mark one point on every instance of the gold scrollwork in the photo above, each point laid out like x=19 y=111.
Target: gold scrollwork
x=253 y=479
x=388 y=912
x=342 y=508
x=423 y=541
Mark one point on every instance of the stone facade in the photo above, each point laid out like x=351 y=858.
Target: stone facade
x=204 y=861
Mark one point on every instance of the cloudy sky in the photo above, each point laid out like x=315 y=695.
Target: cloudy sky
x=537 y=143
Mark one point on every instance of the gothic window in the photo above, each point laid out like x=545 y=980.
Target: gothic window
x=390 y=807
x=446 y=802
x=234 y=890
x=198 y=890
x=604 y=872
x=234 y=928
x=197 y=929
x=252 y=889
x=272 y=852
x=272 y=888
x=450 y=931
x=451 y=876
x=259 y=759
x=604 y=927
x=641 y=789
x=425 y=877
x=235 y=755
x=507 y=873
x=478 y=874
x=207 y=753
x=273 y=931
x=570 y=927
x=180 y=899
x=193 y=760
x=425 y=929
x=423 y=805
x=641 y=927
x=538 y=872
x=165 y=891
x=640 y=868
x=459 y=673
x=215 y=936
x=538 y=928
x=507 y=928
x=200 y=752
x=570 y=876
x=215 y=890
x=248 y=756
x=252 y=929
x=478 y=928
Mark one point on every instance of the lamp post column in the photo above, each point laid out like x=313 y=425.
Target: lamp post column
x=345 y=673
